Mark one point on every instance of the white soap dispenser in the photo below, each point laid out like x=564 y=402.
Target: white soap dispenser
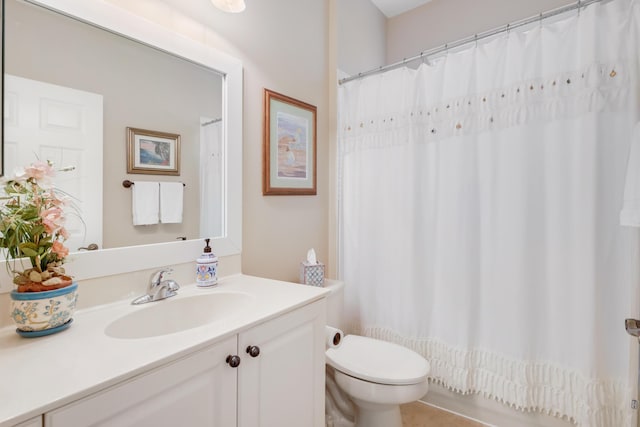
x=207 y=267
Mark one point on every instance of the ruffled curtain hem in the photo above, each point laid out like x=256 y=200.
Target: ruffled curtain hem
x=526 y=385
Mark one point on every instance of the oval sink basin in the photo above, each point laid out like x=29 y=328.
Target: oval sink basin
x=176 y=314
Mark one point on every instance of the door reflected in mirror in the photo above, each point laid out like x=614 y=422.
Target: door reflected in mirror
x=72 y=90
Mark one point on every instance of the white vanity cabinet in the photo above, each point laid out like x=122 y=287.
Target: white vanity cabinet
x=34 y=422
x=198 y=390
x=278 y=382
x=283 y=385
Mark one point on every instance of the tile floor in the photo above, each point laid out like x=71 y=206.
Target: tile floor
x=420 y=415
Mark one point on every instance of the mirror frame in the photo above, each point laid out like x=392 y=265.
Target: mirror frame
x=106 y=262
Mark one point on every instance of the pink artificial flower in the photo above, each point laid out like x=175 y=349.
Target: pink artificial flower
x=40 y=170
x=59 y=249
x=52 y=219
x=64 y=233
x=54 y=199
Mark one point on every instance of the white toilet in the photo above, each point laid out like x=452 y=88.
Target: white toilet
x=376 y=375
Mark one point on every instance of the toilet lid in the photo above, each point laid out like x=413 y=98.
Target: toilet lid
x=378 y=361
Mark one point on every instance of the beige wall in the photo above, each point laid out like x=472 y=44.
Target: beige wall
x=361 y=35
x=444 y=21
x=283 y=45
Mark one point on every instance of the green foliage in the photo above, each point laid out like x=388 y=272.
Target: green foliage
x=32 y=218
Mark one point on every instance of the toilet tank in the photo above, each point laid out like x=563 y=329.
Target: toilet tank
x=335 y=303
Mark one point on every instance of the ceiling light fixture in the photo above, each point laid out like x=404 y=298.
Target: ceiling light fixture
x=233 y=6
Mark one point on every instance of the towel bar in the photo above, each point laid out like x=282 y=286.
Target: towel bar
x=127 y=184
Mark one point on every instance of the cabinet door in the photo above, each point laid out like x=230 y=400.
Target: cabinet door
x=284 y=385
x=33 y=422
x=196 y=391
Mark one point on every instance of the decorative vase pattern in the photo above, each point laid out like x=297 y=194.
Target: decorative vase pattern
x=38 y=311
x=207 y=271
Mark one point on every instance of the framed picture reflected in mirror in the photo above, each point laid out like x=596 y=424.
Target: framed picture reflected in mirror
x=152 y=152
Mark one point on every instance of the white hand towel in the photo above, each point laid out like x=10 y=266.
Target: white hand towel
x=630 y=213
x=171 y=195
x=145 y=202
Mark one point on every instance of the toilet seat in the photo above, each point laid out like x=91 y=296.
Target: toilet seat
x=378 y=361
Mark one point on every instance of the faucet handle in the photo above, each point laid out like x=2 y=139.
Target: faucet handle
x=158 y=276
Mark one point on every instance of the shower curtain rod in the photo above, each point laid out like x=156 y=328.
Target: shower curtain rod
x=472 y=39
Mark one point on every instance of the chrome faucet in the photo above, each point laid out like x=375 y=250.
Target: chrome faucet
x=158 y=287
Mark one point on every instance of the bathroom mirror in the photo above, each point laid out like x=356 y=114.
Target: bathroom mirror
x=1 y=89
x=196 y=86
x=70 y=97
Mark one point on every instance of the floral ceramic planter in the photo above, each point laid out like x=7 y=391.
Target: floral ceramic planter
x=43 y=313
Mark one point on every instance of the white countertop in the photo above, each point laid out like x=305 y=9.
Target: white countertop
x=40 y=374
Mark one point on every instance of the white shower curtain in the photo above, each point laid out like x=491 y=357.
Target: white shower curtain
x=479 y=199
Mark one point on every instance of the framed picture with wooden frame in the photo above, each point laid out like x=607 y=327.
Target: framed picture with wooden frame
x=152 y=152
x=289 y=146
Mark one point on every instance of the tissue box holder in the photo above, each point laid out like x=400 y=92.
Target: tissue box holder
x=312 y=274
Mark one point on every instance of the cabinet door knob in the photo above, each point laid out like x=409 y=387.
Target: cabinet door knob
x=253 y=350
x=233 y=361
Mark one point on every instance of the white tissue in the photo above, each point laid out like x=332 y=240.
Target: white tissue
x=311 y=257
x=333 y=337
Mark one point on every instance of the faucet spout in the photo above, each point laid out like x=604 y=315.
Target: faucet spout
x=159 y=288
